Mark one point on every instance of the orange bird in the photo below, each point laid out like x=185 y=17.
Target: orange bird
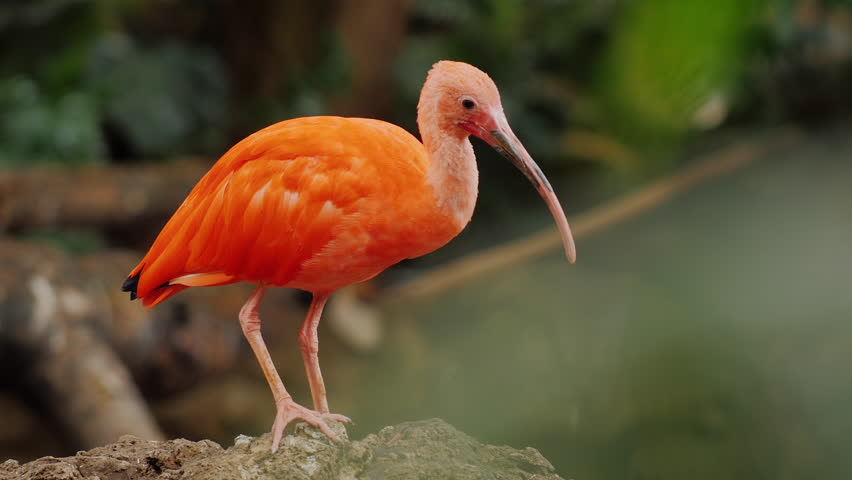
x=318 y=203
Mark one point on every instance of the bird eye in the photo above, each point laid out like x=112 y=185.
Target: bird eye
x=468 y=104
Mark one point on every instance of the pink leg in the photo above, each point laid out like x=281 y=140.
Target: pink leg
x=309 y=342
x=288 y=410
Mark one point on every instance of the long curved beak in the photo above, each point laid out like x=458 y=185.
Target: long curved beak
x=500 y=136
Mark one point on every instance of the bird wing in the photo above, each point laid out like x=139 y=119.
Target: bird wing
x=275 y=200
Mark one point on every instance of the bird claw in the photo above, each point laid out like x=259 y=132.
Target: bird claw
x=337 y=417
x=288 y=410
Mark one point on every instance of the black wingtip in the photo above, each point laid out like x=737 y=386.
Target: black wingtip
x=130 y=285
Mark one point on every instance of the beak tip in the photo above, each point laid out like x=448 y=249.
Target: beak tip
x=568 y=244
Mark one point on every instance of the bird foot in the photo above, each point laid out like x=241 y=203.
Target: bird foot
x=289 y=410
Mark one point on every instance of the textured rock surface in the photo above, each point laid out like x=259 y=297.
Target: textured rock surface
x=129 y=458
x=429 y=449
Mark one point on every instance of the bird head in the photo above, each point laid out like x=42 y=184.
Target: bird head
x=463 y=100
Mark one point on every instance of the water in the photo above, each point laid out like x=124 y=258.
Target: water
x=709 y=338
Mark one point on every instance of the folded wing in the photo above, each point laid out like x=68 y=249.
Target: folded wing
x=267 y=206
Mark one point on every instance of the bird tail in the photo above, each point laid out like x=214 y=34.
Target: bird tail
x=173 y=286
x=153 y=297
x=132 y=284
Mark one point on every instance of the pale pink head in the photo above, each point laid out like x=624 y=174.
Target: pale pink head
x=462 y=100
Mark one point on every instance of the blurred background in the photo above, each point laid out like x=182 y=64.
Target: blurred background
x=701 y=149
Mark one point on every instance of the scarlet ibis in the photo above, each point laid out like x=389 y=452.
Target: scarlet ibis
x=318 y=203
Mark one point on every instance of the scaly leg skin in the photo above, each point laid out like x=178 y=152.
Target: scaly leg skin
x=288 y=410
x=309 y=343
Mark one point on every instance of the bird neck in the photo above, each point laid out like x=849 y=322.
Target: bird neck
x=452 y=174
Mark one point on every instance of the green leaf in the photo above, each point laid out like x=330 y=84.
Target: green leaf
x=667 y=59
x=35 y=130
x=161 y=100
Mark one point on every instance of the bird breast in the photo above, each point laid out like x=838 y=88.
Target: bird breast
x=377 y=236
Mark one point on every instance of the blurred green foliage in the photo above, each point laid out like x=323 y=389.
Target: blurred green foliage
x=35 y=128
x=78 y=241
x=616 y=84
x=73 y=88
x=46 y=115
x=160 y=100
x=668 y=59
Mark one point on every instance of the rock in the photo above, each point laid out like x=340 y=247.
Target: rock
x=129 y=458
x=434 y=449
x=429 y=449
x=304 y=454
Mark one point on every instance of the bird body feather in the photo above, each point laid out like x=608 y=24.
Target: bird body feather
x=314 y=203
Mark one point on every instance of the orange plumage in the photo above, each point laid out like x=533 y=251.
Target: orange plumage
x=312 y=203
x=322 y=202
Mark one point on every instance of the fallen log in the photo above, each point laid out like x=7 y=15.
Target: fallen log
x=98 y=196
x=75 y=347
x=51 y=349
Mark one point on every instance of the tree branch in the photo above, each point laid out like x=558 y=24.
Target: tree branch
x=95 y=196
